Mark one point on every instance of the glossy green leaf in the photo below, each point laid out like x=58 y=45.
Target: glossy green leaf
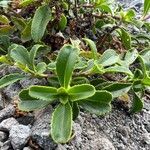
x=43 y=92
x=10 y=79
x=40 y=20
x=92 y=47
x=63 y=22
x=108 y=58
x=118 y=89
x=146 y=7
x=99 y=103
x=137 y=104
x=61 y=124
x=28 y=103
x=66 y=61
x=79 y=92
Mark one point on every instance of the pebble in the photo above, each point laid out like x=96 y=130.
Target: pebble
x=19 y=136
x=7 y=112
x=3 y=136
x=7 y=124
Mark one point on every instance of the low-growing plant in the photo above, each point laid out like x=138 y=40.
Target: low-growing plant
x=89 y=53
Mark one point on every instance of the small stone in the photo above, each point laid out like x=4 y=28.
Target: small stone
x=27 y=148
x=3 y=136
x=19 y=136
x=6 y=124
x=7 y=112
x=11 y=91
x=41 y=129
x=6 y=146
x=146 y=138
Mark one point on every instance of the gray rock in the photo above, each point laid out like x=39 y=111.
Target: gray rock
x=7 y=124
x=3 y=136
x=6 y=146
x=27 y=148
x=146 y=138
x=41 y=130
x=19 y=136
x=11 y=91
x=103 y=144
x=32 y=81
x=7 y=112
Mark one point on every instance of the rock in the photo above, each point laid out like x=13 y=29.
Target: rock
x=41 y=130
x=146 y=138
x=3 y=136
x=7 y=112
x=27 y=148
x=27 y=119
x=103 y=144
x=19 y=136
x=11 y=91
x=32 y=81
x=6 y=124
x=6 y=146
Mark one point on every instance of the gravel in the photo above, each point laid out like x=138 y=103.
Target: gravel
x=7 y=112
x=19 y=136
x=7 y=124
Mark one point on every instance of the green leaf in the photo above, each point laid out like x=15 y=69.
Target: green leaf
x=106 y=8
x=26 y=33
x=79 y=92
x=28 y=103
x=19 y=23
x=108 y=58
x=10 y=79
x=120 y=69
x=40 y=20
x=43 y=92
x=20 y=54
x=61 y=126
x=41 y=67
x=79 y=80
x=4 y=19
x=118 y=89
x=137 y=104
x=53 y=81
x=63 y=22
x=126 y=39
x=93 y=48
x=25 y=3
x=146 y=81
x=99 y=103
x=130 y=57
x=129 y=15
x=146 y=7
x=65 y=64
x=32 y=55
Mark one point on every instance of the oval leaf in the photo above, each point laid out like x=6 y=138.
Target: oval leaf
x=10 y=79
x=79 y=92
x=61 y=126
x=40 y=20
x=43 y=92
x=66 y=61
x=28 y=103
